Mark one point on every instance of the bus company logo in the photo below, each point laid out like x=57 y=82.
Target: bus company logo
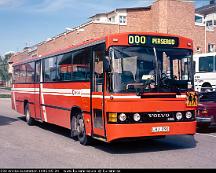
x=159 y=115
x=76 y=92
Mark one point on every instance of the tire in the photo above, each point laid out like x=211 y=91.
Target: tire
x=29 y=119
x=81 y=131
x=203 y=126
x=74 y=132
x=206 y=88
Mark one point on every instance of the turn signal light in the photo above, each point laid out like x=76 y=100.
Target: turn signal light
x=112 y=117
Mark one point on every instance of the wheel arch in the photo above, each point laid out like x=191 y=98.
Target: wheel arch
x=206 y=84
x=74 y=110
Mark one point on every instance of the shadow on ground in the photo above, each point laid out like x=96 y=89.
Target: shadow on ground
x=6 y=120
x=129 y=146
x=211 y=129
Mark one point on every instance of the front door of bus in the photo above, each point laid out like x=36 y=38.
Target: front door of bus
x=97 y=97
x=37 y=90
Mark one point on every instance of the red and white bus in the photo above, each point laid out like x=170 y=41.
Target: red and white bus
x=127 y=85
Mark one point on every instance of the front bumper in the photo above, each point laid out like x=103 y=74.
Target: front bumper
x=204 y=119
x=121 y=131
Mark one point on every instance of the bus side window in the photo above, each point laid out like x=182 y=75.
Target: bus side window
x=81 y=65
x=206 y=64
x=64 y=67
x=30 y=72
x=50 y=69
x=22 y=73
x=16 y=74
x=37 y=72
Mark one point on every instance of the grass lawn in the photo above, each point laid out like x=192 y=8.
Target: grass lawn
x=6 y=88
x=5 y=96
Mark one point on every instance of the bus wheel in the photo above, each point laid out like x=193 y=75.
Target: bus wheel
x=29 y=119
x=83 y=138
x=74 y=132
x=206 y=88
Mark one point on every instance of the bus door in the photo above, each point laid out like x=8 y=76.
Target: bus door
x=97 y=87
x=37 y=101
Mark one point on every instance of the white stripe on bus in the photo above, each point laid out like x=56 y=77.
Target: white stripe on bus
x=74 y=93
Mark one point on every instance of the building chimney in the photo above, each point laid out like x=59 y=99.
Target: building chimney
x=212 y=2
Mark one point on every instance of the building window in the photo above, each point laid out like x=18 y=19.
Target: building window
x=122 y=19
x=199 y=20
x=209 y=23
x=198 y=49
x=211 y=47
x=112 y=19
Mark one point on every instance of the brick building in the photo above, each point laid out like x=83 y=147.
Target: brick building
x=164 y=16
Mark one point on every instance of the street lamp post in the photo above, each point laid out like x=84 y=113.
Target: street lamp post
x=205 y=34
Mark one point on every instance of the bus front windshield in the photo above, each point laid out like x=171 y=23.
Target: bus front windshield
x=147 y=69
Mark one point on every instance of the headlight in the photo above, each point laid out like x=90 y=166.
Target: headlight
x=122 y=117
x=189 y=115
x=136 y=117
x=178 y=115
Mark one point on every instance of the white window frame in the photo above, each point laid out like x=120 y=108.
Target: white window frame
x=203 y=20
x=122 y=19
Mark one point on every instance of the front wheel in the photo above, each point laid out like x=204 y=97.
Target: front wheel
x=29 y=119
x=81 y=131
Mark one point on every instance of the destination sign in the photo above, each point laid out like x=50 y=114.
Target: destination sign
x=157 y=41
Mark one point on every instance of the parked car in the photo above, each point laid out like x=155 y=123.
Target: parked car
x=206 y=114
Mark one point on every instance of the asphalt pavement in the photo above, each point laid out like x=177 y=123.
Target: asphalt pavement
x=49 y=146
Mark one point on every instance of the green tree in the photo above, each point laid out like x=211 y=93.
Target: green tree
x=4 y=75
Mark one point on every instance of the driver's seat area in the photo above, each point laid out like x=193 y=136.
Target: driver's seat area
x=127 y=77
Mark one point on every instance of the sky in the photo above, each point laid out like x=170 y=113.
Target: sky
x=28 y=22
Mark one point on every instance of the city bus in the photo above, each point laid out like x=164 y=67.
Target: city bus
x=122 y=86
x=205 y=72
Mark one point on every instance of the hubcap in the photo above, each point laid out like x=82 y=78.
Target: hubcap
x=27 y=115
x=80 y=127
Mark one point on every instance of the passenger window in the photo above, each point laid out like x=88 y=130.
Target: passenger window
x=64 y=67
x=22 y=75
x=81 y=65
x=50 y=69
x=16 y=74
x=37 y=71
x=215 y=63
x=30 y=68
x=206 y=64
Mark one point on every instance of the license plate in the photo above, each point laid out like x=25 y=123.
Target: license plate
x=160 y=129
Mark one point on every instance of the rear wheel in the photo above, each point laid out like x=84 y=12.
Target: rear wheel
x=29 y=119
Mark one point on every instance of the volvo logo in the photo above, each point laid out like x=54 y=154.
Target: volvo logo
x=159 y=115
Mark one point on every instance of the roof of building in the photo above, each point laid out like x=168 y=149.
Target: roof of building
x=118 y=9
x=207 y=9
